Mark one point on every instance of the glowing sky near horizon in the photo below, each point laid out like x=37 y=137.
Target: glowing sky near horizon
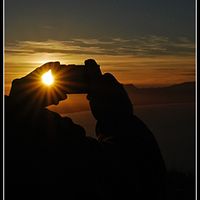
x=147 y=43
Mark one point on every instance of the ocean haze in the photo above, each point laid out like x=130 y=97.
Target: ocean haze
x=169 y=112
x=173 y=126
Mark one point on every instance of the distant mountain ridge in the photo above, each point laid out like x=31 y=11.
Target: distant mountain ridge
x=178 y=85
x=179 y=93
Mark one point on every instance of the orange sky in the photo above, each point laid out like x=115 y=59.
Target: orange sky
x=142 y=71
x=143 y=61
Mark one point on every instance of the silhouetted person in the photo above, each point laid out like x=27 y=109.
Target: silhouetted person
x=50 y=157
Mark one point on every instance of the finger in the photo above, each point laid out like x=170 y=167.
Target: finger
x=88 y=97
x=54 y=66
x=62 y=71
x=52 y=97
x=107 y=84
x=110 y=79
x=59 y=97
x=63 y=66
x=92 y=70
x=90 y=62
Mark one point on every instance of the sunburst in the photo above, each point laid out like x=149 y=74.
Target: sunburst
x=47 y=78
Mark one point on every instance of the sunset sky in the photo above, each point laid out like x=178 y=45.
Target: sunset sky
x=144 y=42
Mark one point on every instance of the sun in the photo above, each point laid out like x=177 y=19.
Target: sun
x=47 y=78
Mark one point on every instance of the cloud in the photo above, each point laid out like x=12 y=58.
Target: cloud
x=120 y=40
x=92 y=41
x=51 y=46
x=138 y=46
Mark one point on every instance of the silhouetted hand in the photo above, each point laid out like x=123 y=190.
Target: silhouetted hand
x=29 y=91
x=107 y=97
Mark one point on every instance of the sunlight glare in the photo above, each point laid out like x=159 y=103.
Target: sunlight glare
x=47 y=78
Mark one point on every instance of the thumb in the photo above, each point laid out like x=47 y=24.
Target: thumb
x=92 y=70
